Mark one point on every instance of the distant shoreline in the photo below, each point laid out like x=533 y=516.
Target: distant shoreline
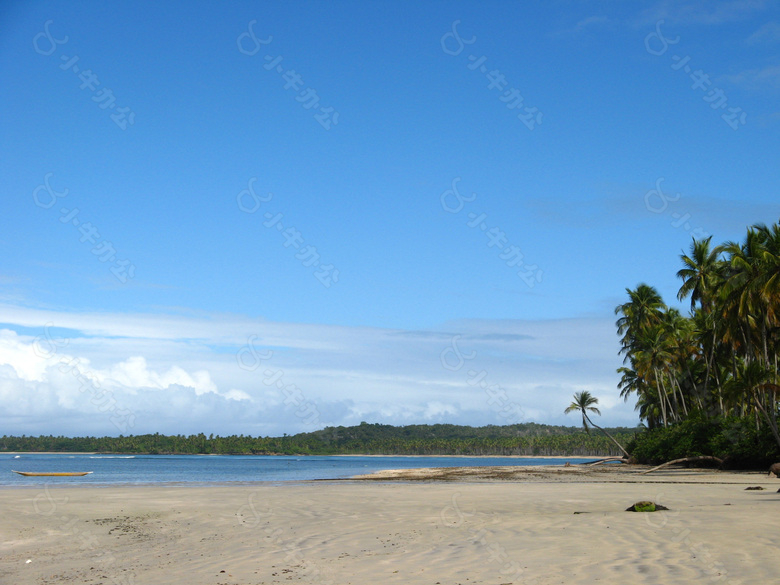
x=60 y=453
x=304 y=455
x=483 y=456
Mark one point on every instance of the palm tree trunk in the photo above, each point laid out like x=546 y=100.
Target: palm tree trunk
x=772 y=423
x=774 y=396
x=682 y=397
x=608 y=435
x=671 y=411
x=662 y=401
x=720 y=393
x=708 y=361
x=764 y=342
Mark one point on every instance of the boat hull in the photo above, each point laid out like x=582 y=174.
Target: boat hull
x=52 y=473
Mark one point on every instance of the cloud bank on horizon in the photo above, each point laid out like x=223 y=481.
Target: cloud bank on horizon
x=110 y=374
x=269 y=218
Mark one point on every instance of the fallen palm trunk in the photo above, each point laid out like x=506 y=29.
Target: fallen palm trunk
x=607 y=460
x=685 y=460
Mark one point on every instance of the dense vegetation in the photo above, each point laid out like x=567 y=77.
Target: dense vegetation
x=707 y=383
x=374 y=439
x=735 y=440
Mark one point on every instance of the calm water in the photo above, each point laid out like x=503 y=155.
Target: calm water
x=200 y=469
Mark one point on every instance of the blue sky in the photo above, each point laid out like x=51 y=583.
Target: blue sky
x=374 y=112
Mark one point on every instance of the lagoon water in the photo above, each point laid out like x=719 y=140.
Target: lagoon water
x=214 y=469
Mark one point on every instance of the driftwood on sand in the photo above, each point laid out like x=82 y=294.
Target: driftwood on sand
x=606 y=460
x=685 y=460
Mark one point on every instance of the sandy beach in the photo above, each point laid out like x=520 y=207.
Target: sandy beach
x=489 y=526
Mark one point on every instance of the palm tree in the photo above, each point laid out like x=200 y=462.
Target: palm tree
x=700 y=275
x=647 y=405
x=652 y=363
x=708 y=336
x=740 y=294
x=769 y=283
x=584 y=402
x=683 y=350
x=723 y=358
x=631 y=382
x=642 y=311
x=755 y=381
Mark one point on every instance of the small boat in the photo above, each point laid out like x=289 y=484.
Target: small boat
x=52 y=473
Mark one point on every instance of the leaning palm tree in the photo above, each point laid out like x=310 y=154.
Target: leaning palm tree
x=584 y=402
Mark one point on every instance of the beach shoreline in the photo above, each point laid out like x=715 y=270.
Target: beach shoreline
x=550 y=526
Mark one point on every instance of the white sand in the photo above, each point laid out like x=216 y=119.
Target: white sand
x=450 y=532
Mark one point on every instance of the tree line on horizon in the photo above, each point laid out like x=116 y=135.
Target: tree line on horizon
x=368 y=439
x=716 y=368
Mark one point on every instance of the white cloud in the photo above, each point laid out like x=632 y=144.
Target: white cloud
x=769 y=33
x=180 y=374
x=436 y=409
x=583 y=25
x=591 y=21
x=21 y=357
x=758 y=79
x=234 y=394
x=707 y=12
x=134 y=373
